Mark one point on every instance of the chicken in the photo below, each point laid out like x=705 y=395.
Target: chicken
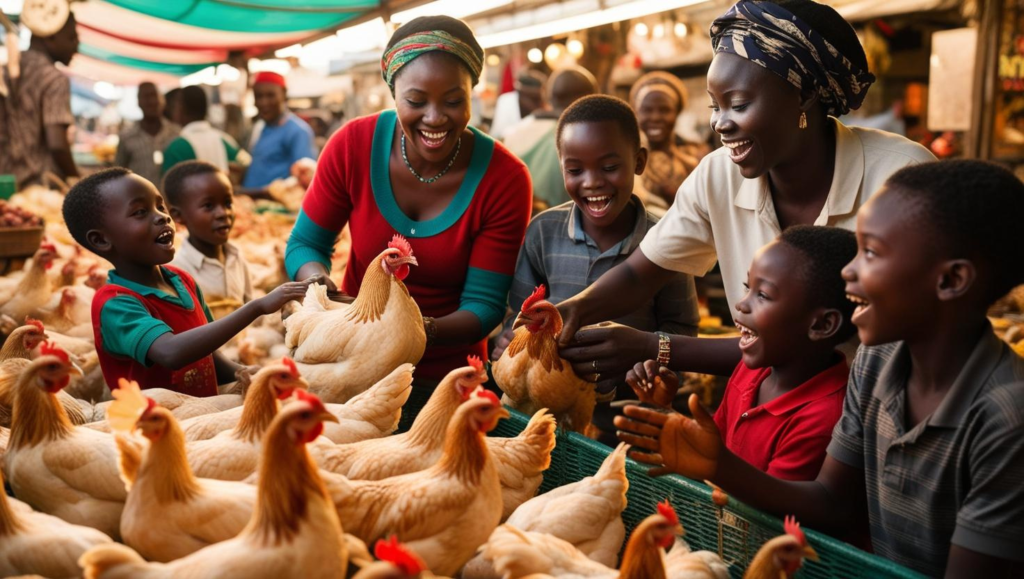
x=182 y=406
x=344 y=349
x=294 y=531
x=234 y=454
x=35 y=287
x=443 y=513
x=419 y=448
x=192 y=512
x=60 y=469
x=37 y=543
x=781 y=557
x=522 y=460
x=69 y=312
x=258 y=343
x=532 y=374
x=396 y=562
x=516 y=553
x=587 y=514
x=373 y=414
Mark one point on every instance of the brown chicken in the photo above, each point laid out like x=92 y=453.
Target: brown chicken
x=192 y=512
x=35 y=287
x=69 y=312
x=532 y=374
x=294 y=531
x=781 y=557
x=60 y=469
x=36 y=543
x=443 y=513
x=343 y=349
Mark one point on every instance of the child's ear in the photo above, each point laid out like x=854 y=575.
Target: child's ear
x=98 y=240
x=825 y=325
x=641 y=161
x=956 y=279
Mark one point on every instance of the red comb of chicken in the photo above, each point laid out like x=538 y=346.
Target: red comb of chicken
x=396 y=553
x=792 y=527
x=401 y=244
x=536 y=296
x=291 y=366
x=482 y=393
x=48 y=247
x=33 y=322
x=475 y=362
x=150 y=405
x=309 y=397
x=665 y=509
x=48 y=349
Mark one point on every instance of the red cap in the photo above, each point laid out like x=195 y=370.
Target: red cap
x=269 y=77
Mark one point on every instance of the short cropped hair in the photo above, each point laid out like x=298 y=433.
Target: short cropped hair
x=174 y=180
x=84 y=206
x=600 y=108
x=826 y=251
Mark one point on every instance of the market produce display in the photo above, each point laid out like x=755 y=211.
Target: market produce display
x=14 y=216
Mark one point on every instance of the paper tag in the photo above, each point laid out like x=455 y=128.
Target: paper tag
x=158 y=158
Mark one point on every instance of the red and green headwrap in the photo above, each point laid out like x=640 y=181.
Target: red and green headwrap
x=410 y=47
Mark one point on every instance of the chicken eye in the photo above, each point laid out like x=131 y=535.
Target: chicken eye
x=53 y=367
x=306 y=415
x=284 y=375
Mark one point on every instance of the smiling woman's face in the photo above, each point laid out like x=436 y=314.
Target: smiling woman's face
x=432 y=97
x=755 y=112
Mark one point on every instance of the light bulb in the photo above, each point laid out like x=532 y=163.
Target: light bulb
x=575 y=47
x=659 y=30
x=640 y=29
x=534 y=55
x=493 y=60
x=681 y=29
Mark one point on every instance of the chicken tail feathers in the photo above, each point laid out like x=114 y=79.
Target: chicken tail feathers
x=540 y=434
x=96 y=562
x=381 y=404
x=129 y=460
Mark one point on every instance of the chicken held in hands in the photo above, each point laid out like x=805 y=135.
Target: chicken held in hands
x=294 y=531
x=443 y=513
x=58 y=468
x=781 y=557
x=532 y=374
x=170 y=513
x=344 y=349
x=419 y=448
x=36 y=543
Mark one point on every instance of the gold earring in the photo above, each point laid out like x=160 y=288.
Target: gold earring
x=803 y=121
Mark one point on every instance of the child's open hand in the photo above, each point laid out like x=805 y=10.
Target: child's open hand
x=654 y=385
x=673 y=443
x=500 y=343
x=284 y=293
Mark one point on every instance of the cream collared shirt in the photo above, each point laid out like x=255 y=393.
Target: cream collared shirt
x=219 y=281
x=719 y=215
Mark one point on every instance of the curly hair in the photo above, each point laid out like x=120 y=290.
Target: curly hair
x=827 y=250
x=84 y=206
x=600 y=108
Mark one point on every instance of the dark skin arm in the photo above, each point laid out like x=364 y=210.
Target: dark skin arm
x=963 y=563
x=60 y=149
x=692 y=447
x=176 y=351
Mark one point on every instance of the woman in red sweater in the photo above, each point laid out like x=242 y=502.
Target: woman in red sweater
x=462 y=200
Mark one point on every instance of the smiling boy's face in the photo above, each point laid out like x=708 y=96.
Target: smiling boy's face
x=774 y=315
x=599 y=165
x=136 y=226
x=206 y=209
x=895 y=276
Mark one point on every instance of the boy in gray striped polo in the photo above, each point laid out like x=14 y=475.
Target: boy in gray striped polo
x=931 y=440
x=569 y=246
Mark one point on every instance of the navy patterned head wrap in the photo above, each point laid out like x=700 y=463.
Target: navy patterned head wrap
x=773 y=37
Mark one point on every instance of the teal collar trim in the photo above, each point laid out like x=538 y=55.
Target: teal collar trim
x=184 y=299
x=380 y=180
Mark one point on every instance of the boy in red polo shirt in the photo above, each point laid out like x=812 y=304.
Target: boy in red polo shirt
x=783 y=400
x=150 y=321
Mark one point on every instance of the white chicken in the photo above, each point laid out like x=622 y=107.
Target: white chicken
x=587 y=514
x=294 y=531
x=60 y=469
x=170 y=513
x=37 y=543
x=344 y=349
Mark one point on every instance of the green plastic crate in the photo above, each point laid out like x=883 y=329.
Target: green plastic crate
x=735 y=532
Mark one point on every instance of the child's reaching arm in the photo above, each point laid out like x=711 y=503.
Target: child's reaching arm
x=176 y=351
x=693 y=448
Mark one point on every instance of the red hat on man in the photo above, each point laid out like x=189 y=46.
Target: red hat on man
x=269 y=77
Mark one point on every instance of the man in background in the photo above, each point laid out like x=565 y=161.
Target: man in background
x=141 y=146
x=35 y=116
x=198 y=139
x=279 y=137
x=514 y=106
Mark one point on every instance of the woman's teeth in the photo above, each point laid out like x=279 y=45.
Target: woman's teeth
x=738 y=150
x=431 y=139
x=747 y=336
x=598 y=205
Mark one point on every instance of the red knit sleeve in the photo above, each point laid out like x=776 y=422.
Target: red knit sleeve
x=328 y=201
x=506 y=215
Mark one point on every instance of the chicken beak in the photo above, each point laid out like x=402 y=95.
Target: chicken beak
x=326 y=416
x=73 y=369
x=810 y=554
x=410 y=260
x=503 y=413
x=521 y=320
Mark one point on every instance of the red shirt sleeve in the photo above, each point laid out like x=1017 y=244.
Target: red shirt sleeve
x=800 y=450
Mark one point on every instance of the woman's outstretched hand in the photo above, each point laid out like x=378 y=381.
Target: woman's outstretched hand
x=608 y=349
x=672 y=443
x=652 y=384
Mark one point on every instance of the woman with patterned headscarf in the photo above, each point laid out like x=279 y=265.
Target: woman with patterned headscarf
x=418 y=170
x=782 y=73
x=658 y=99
